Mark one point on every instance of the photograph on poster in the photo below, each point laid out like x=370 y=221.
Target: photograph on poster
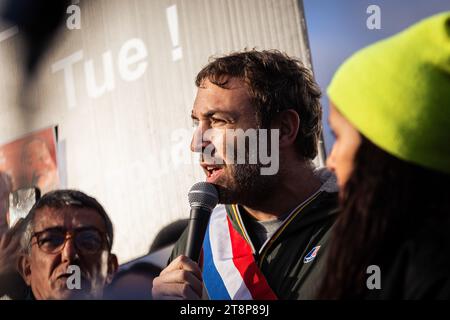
x=27 y=162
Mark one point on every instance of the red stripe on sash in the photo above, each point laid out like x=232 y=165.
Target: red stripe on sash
x=245 y=263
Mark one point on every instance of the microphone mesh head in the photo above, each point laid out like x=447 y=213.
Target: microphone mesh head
x=203 y=194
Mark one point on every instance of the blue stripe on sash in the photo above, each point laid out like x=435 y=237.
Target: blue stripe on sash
x=211 y=278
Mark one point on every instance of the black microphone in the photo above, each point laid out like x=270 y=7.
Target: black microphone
x=203 y=197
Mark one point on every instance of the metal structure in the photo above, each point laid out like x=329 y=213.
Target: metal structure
x=121 y=89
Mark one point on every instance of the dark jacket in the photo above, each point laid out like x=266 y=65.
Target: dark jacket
x=282 y=259
x=419 y=266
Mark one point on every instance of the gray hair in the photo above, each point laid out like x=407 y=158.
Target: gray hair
x=61 y=199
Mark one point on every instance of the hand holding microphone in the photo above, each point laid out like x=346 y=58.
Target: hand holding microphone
x=182 y=278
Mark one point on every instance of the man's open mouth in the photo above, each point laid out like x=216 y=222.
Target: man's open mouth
x=64 y=275
x=212 y=172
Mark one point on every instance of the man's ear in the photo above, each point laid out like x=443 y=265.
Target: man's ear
x=24 y=268
x=113 y=265
x=288 y=122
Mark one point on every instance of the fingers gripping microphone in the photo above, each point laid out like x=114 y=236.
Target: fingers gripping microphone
x=203 y=197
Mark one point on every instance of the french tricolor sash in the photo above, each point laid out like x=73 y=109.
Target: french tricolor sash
x=229 y=267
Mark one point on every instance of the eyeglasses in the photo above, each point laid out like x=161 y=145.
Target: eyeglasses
x=86 y=240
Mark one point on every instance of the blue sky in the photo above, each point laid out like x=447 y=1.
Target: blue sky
x=338 y=28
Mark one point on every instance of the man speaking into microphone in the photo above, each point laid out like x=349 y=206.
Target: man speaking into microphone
x=267 y=237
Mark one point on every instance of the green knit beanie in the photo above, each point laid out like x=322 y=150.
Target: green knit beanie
x=397 y=93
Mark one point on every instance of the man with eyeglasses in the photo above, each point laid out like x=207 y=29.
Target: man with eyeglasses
x=66 y=231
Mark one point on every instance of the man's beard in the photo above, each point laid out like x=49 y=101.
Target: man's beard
x=245 y=185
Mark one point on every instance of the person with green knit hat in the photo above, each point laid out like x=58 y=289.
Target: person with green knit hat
x=390 y=113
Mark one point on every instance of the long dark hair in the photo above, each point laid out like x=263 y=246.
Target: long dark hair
x=385 y=201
